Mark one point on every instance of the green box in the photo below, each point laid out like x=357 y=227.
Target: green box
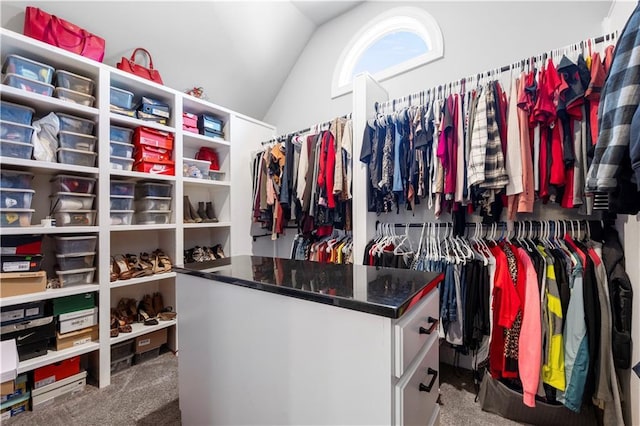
x=76 y=302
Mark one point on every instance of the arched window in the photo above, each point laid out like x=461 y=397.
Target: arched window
x=394 y=42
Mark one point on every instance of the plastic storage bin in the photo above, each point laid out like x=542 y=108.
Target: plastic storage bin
x=122 y=349
x=16 y=113
x=76 y=276
x=121 y=163
x=198 y=169
x=74 y=82
x=16 y=198
x=122 y=202
x=28 y=68
x=76 y=244
x=78 y=141
x=73 y=96
x=28 y=85
x=153 y=217
x=121 y=149
x=216 y=175
x=77 y=157
x=71 y=123
x=64 y=201
x=75 y=218
x=75 y=184
x=72 y=261
x=146 y=356
x=15 y=179
x=16 y=217
x=121 y=217
x=15 y=149
x=15 y=132
x=120 y=134
x=153 y=203
x=121 y=364
x=153 y=189
x=120 y=187
x=121 y=98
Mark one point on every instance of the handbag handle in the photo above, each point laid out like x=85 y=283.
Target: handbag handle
x=140 y=49
x=60 y=23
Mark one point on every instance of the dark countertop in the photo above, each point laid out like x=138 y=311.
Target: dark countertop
x=386 y=292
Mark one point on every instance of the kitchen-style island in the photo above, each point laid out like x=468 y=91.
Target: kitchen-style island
x=287 y=342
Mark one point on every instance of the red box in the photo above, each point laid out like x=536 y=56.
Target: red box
x=20 y=244
x=158 y=168
x=189 y=120
x=55 y=372
x=152 y=137
x=151 y=153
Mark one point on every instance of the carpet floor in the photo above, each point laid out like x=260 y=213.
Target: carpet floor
x=147 y=394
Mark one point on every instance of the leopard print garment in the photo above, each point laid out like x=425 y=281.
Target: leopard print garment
x=512 y=335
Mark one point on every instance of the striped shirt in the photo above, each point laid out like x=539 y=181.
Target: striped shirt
x=478 y=148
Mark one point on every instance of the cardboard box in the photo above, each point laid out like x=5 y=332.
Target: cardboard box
x=7 y=388
x=73 y=321
x=19 y=388
x=59 y=392
x=73 y=303
x=22 y=312
x=54 y=372
x=149 y=341
x=78 y=337
x=18 y=283
x=14 y=407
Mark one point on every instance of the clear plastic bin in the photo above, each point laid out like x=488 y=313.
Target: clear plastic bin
x=76 y=276
x=153 y=217
x=28 y=68
x=73 y=96
x=75 y=218
x=15 y=179
x=16 y=198
x=121 y=149
x=153 y=189
x=122 y=202
x=216 y=175
x=16 y=217
x=153 y=203
x=15 y=132
x=77 y=157
x=120 y=134
x=28 y=85
x=15 y=149
x=120 y=187
x=16 y=113
x=72 y=261
x=121 y=364
x=76 y=244
x=75 y=184
x=64 y=201
x=77 y=141
x=198 y=169
x=121 y=98
x=74 y=82
x=121 y=217
x=122 y=349
x=71 y=123
x=121 y=163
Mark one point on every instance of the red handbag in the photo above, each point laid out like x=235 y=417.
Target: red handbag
x=50 y=29
x=130 y=65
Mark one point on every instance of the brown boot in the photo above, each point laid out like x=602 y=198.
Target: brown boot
x=158 y=303
x=186 y=207
x=210 y=213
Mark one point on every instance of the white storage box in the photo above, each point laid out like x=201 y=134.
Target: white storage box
x=76 y=276
x=65 y=201
x=121 y=163
x=16 y=217
x=153 y=203
x=78 y=141
x=153 y=217
x=58 y=391
x=76 y=184
x=73 y=96
x=77 y=157
x=67 y=262
x=121 y=217
x=76 y=244
x=197 y=169
x=122 y=202
x=77 y=320
x=75 y=218
x=16 y=198
x=121 y=149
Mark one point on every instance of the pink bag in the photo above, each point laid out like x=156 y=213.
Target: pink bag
x=50 y=29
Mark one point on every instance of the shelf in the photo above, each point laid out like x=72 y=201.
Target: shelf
x=205 y=182
x=45 y=103
x=55 y=356
x=51 y=293
x=199 y=106
x=207 y=225
x=35 y=229
x=121 y=228
x=138 y=329
x=196 y=140
x=134 y=281
x=130 y=121
x=35 y=165
x=141 y=175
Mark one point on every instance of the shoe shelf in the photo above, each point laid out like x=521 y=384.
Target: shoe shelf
x=207 y=225
x=45 y=103
x=139 y=329
x=25 y=230
x=38 y=166
x=119 y=120
x=50 y=293
x=205 y=182
x=55 y=356
x=196 y=140
x=121 y=228
x=141 y=280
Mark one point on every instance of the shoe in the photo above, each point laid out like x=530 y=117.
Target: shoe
x=199 y=254
x=186 y=207
x=157 y=302
x=145 y=261
x=202 y=212
x=122 y=312
x=138 y=269
x=114 y=325
x=121 y=267
x=167 y=314
x=217 y=249
x=188 y=256
x=113 y=276
x=161 y=262
x=210 y=213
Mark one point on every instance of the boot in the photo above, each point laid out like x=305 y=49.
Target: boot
x=186 y=208
x=158 y=303
x=210 y=213
x=196 y=217
x=202 y=212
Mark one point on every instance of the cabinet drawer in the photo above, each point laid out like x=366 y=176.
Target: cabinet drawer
x=414 y=329
x=416 y=394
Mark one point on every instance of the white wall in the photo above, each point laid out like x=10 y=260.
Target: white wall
x=477 y=36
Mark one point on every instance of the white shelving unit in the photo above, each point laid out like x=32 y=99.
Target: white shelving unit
x=172 y=238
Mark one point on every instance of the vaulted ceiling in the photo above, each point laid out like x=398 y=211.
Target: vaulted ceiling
x=240 y=52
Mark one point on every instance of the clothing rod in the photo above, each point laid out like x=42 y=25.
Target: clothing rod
x=470 y=224
x=297 y=132
x=462 y=81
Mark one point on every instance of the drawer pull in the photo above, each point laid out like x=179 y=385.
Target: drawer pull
x=427 y=388
x=434 y=324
